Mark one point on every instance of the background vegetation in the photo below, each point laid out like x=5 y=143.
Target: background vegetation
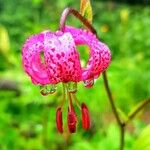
x=27 y=119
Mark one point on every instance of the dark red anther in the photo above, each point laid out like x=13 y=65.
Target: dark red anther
x=59 y=121
x=85 y=117
x=72 y=120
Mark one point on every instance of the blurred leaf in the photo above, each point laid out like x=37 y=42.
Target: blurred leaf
x=86 y=9
x=124 y=15
x=4 y=40
x=37 y=2
x=84 y=145
x=108 y=142
x=143 y=142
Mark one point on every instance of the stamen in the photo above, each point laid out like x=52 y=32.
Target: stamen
x=59 y=121
x=72 y=120
x=85 y=117
x=69 y=98
x=64 y=95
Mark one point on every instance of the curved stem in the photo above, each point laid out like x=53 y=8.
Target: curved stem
x=114 y=109
x=122 y=137
x=67 y=12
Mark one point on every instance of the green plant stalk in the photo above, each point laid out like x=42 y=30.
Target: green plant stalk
x=137 y=109
x=114 y=109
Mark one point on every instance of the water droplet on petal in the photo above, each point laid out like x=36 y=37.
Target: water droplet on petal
x=48 y=89
x=89 y=83
x=72 y=87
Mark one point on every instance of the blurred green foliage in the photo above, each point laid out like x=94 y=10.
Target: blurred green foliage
x=27 y=119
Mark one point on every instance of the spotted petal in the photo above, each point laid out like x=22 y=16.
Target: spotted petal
x=61 y=59
x=99 y=52
x=32 y=63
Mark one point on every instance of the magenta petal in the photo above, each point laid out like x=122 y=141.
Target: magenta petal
x=62 y=58
x=31 y=59
x=100 y=56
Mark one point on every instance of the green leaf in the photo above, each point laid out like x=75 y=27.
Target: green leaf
x=143 y=142
x=86 y=9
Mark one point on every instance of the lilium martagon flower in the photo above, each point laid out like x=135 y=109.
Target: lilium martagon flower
x=62 y=64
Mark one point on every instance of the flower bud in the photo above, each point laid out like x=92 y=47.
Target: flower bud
x=59 y=121
x=72 y=120
x=85 y=117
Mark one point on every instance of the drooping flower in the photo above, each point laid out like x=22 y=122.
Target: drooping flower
x=61 y=63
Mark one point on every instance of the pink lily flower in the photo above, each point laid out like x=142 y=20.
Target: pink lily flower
x=62 y=64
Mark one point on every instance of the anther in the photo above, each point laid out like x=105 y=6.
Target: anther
x=85 y=117
x=59 y=121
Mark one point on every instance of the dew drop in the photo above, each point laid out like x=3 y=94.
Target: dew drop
x=48 y=89
x=89 y=83
x=72 y=87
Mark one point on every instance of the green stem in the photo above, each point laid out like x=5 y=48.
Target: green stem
x=114 y=109
x=64 y=95
x=69 y=98
x=122 y=136
x=138 y=109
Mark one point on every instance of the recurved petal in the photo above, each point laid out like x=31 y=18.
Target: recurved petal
x=100 y=56
x=32 y=63
x=62 y=58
